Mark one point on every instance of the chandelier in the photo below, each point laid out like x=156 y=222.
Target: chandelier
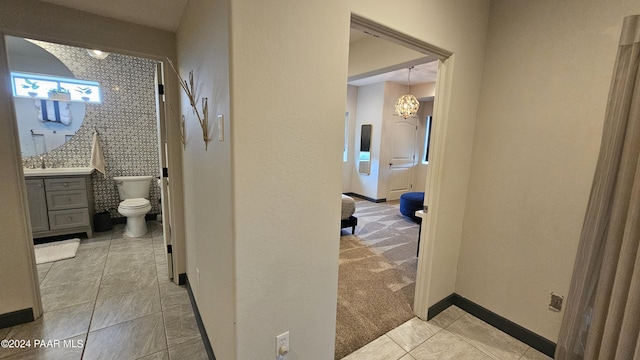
x=407 y=105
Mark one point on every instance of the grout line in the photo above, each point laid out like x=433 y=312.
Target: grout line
x=95 y=301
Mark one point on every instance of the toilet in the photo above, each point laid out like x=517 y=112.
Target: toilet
x=134 y=191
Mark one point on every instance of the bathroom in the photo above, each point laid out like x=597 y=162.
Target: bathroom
x=122 y=111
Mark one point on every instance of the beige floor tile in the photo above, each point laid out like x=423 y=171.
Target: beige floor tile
x=123 y=262
x=407 y=357
x=58 y=324
x=172 y=295
x=104 y=239
x=124 y=307
x=180 y=324
x=487 y=338
x=4 y=332
x=158 y=243
x=58 y=297
x=411 y=334
x=533 y=354
x=87 y=265
x=383 y=348
x=446 y=346
x=131 y=245
x=124 y=282
x=163 y=274
x=162 y=355
x=129 y=340
x=446 y=318
x=189 y=350
x=43 y=269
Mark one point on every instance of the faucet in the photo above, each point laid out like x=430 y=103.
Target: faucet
x=42 y=166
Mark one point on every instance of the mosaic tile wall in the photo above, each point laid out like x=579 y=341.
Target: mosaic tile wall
x=126 y=122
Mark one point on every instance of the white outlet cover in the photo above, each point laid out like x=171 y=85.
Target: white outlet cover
x=282 y=339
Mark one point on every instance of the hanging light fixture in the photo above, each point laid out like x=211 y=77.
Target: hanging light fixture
x=407 y=105
x=98 y=54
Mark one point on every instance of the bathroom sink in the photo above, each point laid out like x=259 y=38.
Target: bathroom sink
x=57 y=171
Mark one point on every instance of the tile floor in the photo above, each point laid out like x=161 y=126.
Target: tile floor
x=112 y=301
x=453 y=334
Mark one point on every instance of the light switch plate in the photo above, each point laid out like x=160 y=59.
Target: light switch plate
x=220 y=119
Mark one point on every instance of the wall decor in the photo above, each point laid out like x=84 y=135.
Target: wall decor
x=189 y=90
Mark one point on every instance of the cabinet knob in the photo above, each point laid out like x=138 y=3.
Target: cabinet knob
x=65 y=184
x=69 y=219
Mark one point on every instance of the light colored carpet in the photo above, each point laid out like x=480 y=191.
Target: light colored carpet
x=376 y=278
x=57 y=250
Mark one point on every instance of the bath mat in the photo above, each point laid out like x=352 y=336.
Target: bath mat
x=57 y=250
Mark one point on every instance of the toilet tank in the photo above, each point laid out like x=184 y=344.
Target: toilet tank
x=131 y=187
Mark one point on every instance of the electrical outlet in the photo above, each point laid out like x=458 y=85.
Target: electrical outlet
x=282 y=345
x=556 y=302
x=198 y=277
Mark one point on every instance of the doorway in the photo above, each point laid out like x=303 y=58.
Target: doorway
x=398 y=178
x=109 y=97
x=436 y=144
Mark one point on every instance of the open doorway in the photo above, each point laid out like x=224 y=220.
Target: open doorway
x=69 y=102
x=373 y=64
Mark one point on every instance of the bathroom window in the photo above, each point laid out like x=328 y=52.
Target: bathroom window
x=427 y=139
x=45 y=87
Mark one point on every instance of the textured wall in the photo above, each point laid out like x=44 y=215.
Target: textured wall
x=546 y=78
x=126 y=122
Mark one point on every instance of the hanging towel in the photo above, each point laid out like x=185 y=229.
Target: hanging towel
x=97 y=158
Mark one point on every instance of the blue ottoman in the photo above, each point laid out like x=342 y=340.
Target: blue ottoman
x=410 y=203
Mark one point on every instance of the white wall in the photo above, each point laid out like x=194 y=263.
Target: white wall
x=24 y=18
x=353 y=145
x=369 y=110
x=547 y=72
x=203 y=47
x=286 y=127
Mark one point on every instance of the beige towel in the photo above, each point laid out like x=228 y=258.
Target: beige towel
x=97 y=158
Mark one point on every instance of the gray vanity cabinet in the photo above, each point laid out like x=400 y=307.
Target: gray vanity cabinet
x=60 y=205
x=37 y=205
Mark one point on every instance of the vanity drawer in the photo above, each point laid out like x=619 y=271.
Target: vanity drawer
x=68 y=199
x=66 y=183
x=62 y=219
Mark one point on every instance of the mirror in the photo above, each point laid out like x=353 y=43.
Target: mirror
x=365 y=138
x=364 y=158
x=43 y=125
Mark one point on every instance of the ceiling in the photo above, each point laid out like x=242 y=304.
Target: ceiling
x=159 y=14
x=166 y=15
x=420 y=72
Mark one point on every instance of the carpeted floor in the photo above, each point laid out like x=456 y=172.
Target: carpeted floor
x=377 y=273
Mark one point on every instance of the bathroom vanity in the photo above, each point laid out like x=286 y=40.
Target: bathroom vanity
x=60 y=201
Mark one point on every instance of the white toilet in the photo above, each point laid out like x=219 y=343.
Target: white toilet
x=134 y=191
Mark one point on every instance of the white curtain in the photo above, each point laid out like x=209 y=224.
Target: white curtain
x=602 y=318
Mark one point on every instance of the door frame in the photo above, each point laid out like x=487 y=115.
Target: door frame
x=424 y=273
x=172 y=145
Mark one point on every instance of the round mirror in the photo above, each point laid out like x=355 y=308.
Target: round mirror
x=43 y=124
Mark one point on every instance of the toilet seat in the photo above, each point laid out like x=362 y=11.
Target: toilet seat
x=137 y=203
